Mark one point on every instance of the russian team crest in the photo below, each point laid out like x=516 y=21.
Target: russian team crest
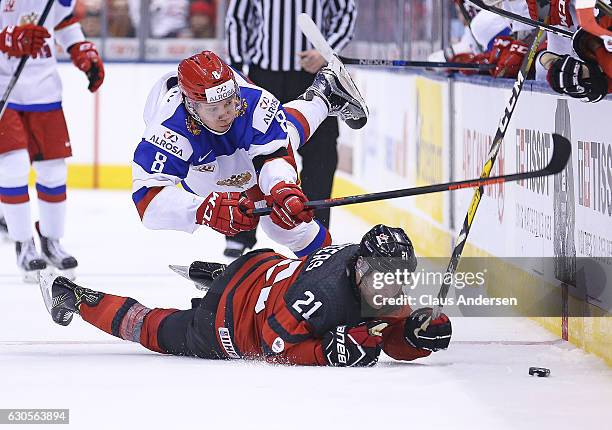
x=192 y=126
x=238 y=181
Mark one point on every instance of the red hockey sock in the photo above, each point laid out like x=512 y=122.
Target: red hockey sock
x=127 y=319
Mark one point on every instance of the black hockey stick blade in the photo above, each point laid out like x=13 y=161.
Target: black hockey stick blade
x=562 y=151
x=416 y=64
x=560 y=156
x=524 y=20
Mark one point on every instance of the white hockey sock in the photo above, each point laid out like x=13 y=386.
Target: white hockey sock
x=306 y=116
x=14 y=170
x=51 y=188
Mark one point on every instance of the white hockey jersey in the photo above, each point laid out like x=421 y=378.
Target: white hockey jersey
x=39 y=87
x=176 y=150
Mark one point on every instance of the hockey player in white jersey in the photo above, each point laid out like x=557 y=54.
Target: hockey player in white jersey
x=230 y=145
x=33 y=127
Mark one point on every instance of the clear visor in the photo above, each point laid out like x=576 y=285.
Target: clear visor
x=217 y=115
x=371 y=279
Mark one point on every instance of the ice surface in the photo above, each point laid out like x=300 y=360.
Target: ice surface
x=481 y=382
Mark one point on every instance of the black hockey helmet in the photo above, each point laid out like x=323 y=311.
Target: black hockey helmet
x=388 y=248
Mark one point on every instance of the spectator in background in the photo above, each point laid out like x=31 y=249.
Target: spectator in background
x=119 y=22
x=202 y=17
x=264 y=34
x=168 y=18
x=89 y=12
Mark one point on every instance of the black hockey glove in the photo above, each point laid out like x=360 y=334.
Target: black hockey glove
x=354 y=346
x=422 y=332
x=567 y=75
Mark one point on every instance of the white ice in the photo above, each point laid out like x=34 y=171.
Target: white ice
x=481 y=382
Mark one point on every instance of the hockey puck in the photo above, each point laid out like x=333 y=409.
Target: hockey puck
x=539 y=371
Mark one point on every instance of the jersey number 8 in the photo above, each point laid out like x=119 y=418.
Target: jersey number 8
x=158 y=164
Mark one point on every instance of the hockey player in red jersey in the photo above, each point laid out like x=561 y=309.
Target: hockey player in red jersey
x=581 y=68
x=305 y=311
x=33 y=129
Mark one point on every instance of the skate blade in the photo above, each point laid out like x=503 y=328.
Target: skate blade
x=46 y=279
x=181 y=270
x=184 y=272
x=31 y=276
x=347 y=82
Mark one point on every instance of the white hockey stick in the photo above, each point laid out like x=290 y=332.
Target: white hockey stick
x=314 y=36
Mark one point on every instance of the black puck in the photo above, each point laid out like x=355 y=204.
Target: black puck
x=539 y=371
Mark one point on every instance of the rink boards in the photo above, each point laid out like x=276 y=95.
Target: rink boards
x=425 y=130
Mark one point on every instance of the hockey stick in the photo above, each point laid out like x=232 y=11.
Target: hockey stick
x=486 y=171
x=524 y=20
x=560 y=156
x=424 y=64
x=22 y=62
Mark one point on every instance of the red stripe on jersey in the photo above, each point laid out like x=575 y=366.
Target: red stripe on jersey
x=69 y=20
x=301 y=119
x=241 y=290
x=142 y=205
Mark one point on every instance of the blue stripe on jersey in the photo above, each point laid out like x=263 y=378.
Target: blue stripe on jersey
x=52 y=191
x=14 y=191
x=316 y=243
x=187 y=188
x=139 y=195
x=146 y=156
x=43 y=107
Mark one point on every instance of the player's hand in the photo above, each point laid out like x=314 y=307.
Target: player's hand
x=585 y=81
x=227 y=213
x=311 y=61
x=469 y=58
x=288 y=208
x=422 y=332
x=354 y=346
x=507 y=54
x=21 y=40
x=85 y=56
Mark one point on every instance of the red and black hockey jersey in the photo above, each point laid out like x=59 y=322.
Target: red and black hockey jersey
x=268 y=305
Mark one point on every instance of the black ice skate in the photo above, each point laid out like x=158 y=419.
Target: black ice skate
x=29 y=261
x=3 y=230
x=63 y=297
x=55 y=255
x=337 y=89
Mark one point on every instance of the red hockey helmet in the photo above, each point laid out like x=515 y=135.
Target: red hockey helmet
x=204 y=79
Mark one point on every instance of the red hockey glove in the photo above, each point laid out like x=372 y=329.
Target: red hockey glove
x=507 y=54
x=422 y=332
x=470 y=58
x=85 y=56
x=23 y=40
x=223 y=212
x=354 y=346
x=288 y=205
